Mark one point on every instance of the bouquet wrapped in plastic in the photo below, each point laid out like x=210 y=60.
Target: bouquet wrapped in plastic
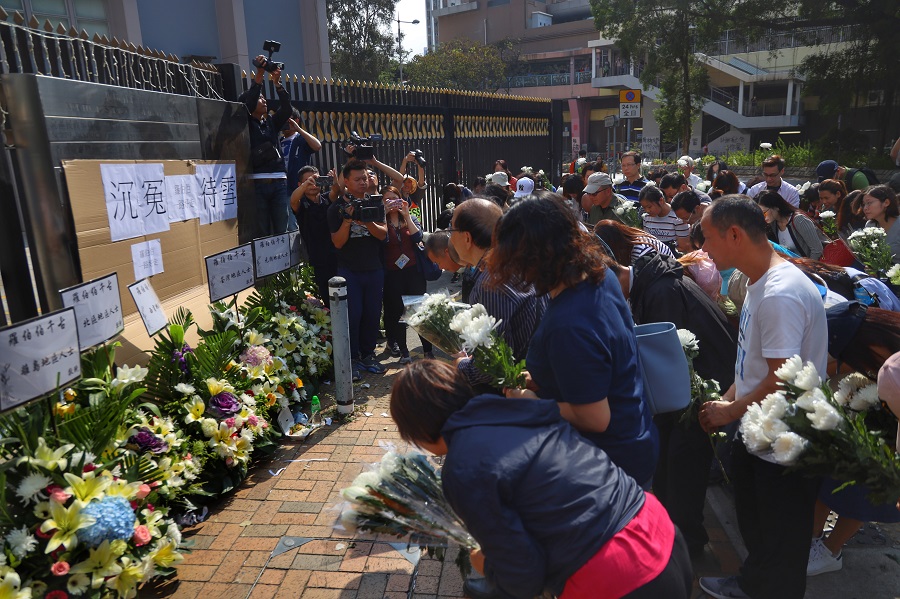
x=430 y=317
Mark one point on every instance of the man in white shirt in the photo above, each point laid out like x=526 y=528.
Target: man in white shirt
x=686 y=166
x=782 y=316
x=772 y=170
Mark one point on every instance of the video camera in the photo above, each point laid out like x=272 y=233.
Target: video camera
x=271 y=47
x=370 y=210
x=364 y=147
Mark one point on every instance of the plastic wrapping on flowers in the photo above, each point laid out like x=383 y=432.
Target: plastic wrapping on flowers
x=430 y=316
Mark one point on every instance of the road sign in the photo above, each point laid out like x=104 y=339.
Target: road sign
x=629 y=104
x=610 y=121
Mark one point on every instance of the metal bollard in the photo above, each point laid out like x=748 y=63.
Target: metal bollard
x=340 y=344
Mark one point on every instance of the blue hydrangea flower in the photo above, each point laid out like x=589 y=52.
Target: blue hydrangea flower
x=113 y=520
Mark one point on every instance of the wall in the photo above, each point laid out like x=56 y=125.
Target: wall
x=279 y=20
x=180 y=28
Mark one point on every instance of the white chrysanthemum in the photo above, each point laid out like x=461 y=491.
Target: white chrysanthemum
x=620 y=210
x=808 y=400
x=765 y=146
x=808 y=378
x=772 y=427
x=369 y=478
x=753 y=415
x=788 y=447
x=754 y=438
x=865 y=398
x=893 y=271
x=184 y=388
x=31 y=487
x=126 y=376
x=390 y=463
x=827 y=214
x=21 y=542
x=790 y=368
x=825 y=417
x=688 y=340
x=774 y=405
x=209 y=426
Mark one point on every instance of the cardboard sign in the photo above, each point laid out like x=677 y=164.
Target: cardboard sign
x=148 y=306
x=147 y=259
x=135 y=199
x=272 y=254
x=229 y=272
x=37 y=356
x=98 y=309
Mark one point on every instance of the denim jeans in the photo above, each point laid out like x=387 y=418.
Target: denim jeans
x=272 y=207
x=364 y=292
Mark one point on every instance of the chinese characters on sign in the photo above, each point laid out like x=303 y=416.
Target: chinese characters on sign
x=98 y=309
x=38 y=355
x=181 y=197
x=296 y=242
x=216 y=189
x=629 y=103
x=135 y=199
x=147 y=259
x=148 y=305
x=272 y=254
x=229 y=272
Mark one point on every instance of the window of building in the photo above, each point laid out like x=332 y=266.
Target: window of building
x=89 y=15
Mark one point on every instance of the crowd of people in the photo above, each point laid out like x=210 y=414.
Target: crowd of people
x=572 y=485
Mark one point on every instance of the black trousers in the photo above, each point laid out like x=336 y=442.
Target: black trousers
x=397 y=283
x=775 y=517
x=682 y=474
x=675 y=581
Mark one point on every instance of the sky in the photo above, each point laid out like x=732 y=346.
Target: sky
x=415 y=37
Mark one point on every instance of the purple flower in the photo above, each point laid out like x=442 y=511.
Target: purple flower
x=147 y=441
x=180 y=356
x=224 y=405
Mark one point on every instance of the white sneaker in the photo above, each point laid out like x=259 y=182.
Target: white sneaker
x=821 y=559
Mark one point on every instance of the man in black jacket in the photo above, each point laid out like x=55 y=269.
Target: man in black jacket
x=658 y=291
x=269 y=176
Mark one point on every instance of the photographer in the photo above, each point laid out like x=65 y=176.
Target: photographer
x=269 y=176
x=310 y=203
x=358 y=231
x=297 y=146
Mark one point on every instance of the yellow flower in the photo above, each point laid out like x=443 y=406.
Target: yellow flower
x=195 y=410
x=88 y=488
x=69 y=394
x=217 y=386
x=101 y=563
x=166 y=554
x=65 y=522
x=10 y=588
x=123 y=488
x=47 y=458
x=299 y=384
x=125 y=582
x=64 y=409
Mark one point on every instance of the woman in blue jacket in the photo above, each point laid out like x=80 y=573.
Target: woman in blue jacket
x=549 y=510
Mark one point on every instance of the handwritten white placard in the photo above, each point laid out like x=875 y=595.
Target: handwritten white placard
x=135 y=199
x=181 y=198
x=98 y=309
x=229 y=272
x=297 y=249
x=147 y=259
x=272 y=254
x=38 y=355
x=148 y=306
x=216 y=189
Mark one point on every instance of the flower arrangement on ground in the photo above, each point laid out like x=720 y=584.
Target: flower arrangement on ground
x=809 y=427
x=871 y=247
x=78 y=505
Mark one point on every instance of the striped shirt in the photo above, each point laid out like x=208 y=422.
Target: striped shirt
x=631 y=190
x=666 y=228
x=519 y=313
x=649 y=244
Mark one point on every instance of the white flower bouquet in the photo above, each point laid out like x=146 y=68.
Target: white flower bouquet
x=492 y=355
x=893 y=274
x=828 y=219
x=871 y=247
x=808 y=427
x=430 y=316
x=628 y=213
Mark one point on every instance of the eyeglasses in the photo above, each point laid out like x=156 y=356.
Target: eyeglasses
x=871 y=203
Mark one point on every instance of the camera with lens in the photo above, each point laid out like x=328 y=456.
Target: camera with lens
x=419 y=155
x=324 y=181
x=269 y=65
x=364 y=149
x=369 y=210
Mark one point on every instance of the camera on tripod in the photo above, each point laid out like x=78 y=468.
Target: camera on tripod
x=269 y=65
x=364 y=145
x=370 y=210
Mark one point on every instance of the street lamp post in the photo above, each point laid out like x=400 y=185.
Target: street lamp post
x=400 y=43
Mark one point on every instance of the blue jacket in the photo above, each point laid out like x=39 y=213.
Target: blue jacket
x=539 y=498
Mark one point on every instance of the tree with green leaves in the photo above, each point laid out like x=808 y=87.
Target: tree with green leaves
x=460 y=64
x=664 y=35
x=362 y=42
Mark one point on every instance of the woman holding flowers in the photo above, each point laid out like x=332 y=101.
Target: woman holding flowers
x=402 y=274
x=584 y=352
x=550 y=511
x=879 y=205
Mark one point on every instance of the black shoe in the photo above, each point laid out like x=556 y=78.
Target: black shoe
x=480 y=588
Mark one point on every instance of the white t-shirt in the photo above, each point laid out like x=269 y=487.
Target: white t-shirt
x=693 y=180
x=783 y=315
x=666 y=228
x=785 y=239
x=786 y=191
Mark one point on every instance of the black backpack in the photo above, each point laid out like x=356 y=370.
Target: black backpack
x=869 y=173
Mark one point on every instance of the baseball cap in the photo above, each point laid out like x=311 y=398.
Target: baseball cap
x=687 y=160
x=596 y=182
x=500 y=178
x=524 y=187
x=826 y=169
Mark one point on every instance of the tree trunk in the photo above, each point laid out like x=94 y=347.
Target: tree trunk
x=686 y=95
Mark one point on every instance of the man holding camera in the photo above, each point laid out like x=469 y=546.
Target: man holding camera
x=269 y=176
x=358 y=230
x=310 y=203
x=297 y=147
